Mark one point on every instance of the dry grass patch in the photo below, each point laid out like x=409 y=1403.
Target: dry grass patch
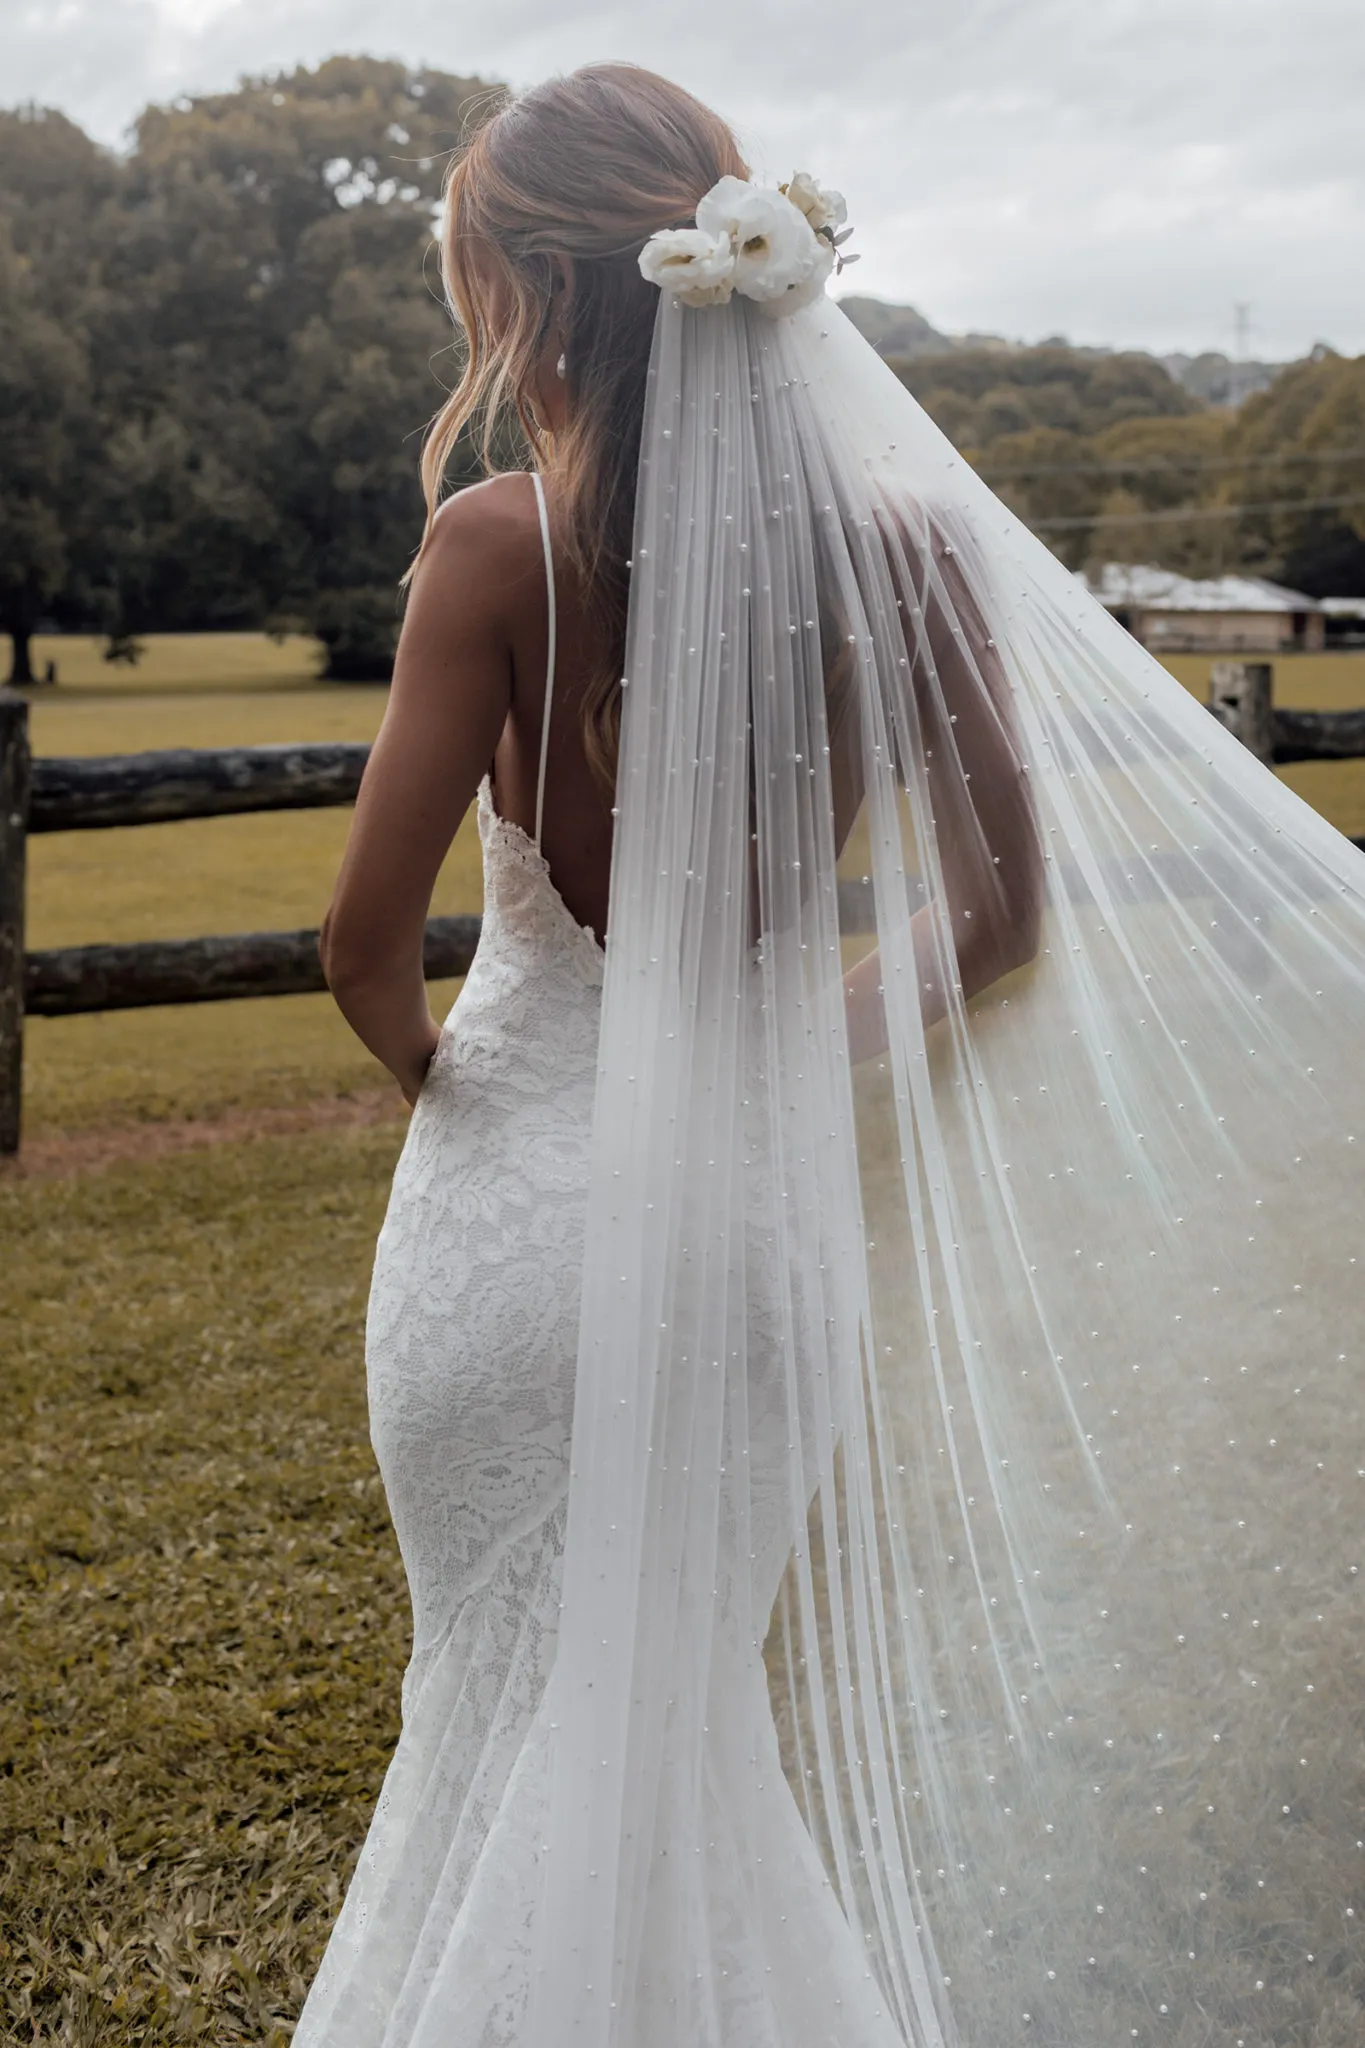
x=196 y=1063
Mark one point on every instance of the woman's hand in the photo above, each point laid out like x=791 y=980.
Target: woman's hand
x=413 y=1078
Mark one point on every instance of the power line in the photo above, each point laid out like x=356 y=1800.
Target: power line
x=1192 y=466
x=1196 y=512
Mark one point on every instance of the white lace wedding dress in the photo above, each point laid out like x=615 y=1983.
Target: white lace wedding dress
x=471 y=1347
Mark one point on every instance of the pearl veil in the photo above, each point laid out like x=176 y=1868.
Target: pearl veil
x=959 y=1637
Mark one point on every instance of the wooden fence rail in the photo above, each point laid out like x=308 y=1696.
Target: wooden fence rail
x=83 y=794
x=1317 y=736
x=71 y=979
x=99 y=792
x=1241 y=697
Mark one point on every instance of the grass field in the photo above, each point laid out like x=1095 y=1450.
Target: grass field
x=178 y=663
x=203 y=1616
x=201 y=1604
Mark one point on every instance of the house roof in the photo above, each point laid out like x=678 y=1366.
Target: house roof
x=1143 y=585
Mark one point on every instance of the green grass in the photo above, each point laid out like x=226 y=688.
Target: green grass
x=173 y=662
x=201 y=1602
x=202 y=1607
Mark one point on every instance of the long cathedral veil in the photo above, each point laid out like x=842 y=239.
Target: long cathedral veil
x=968 y=1454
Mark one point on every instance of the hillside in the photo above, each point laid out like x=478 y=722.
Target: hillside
x=1109 y=455
x=903 y=331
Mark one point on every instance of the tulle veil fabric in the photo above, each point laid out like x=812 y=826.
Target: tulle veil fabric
x=968 y=1432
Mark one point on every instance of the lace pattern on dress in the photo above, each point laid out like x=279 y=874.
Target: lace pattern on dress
x=471 y=1348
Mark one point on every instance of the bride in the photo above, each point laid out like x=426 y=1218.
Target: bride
x=862 y=1349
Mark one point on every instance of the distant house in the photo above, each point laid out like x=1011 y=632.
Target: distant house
x=1223 y=615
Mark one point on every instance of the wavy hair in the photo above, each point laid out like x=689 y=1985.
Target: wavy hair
x=585 y=167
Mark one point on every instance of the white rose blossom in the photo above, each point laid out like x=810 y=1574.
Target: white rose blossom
x=776 y=251
x=822 y=209
x=775 y=245
x=696 y=267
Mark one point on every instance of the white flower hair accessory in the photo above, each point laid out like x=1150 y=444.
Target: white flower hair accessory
x=774 y=244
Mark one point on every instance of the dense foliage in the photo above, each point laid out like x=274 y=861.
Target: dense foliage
x=1109 y=458
x=218 y=351
x=216 y=354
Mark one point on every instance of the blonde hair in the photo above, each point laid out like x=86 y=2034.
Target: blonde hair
x=585 y=167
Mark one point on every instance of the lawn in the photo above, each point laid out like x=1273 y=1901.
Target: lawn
x=201 y=1602
x=203 y=1611
x=180 y=662
x=200 y=1596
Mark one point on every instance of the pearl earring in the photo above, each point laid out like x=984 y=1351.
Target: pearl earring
x=561 y=367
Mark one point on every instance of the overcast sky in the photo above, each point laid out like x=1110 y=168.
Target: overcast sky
x=1120 y=171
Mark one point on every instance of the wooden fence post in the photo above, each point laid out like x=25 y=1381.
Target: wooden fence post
x=1241 y=698
x=14 y=788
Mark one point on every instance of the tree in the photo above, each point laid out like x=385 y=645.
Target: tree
x=217 y=355
x=1300 y=443
x=1161 y=483
x=220 y=353
x=1067 y=436
x=276 y=283
x=1110 y=459
x=990 y=392
x=55 y=187
x=42 y=386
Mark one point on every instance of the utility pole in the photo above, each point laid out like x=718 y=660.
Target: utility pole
x=1241 y=350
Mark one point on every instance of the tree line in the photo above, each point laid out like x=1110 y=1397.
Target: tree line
x=217 y=354
x=1109 y=459
x=218 y=350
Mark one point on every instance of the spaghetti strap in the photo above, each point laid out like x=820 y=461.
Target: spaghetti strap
x=550 y=655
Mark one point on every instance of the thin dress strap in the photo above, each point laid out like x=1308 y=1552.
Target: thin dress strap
x=550 y=656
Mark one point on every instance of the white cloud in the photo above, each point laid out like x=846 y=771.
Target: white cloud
x=1120 y=170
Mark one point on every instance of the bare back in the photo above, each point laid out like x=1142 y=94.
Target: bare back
x=576 y=820
x=467 y=700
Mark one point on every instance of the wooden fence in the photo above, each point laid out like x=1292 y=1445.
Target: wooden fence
x=83 y=795
x=1241 y=697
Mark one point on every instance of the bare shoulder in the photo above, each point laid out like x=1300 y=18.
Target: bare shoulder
x=487 y=534
x=473 y=580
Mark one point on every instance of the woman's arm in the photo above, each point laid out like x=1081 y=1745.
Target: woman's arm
x=452 y=684
x=985 y=827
